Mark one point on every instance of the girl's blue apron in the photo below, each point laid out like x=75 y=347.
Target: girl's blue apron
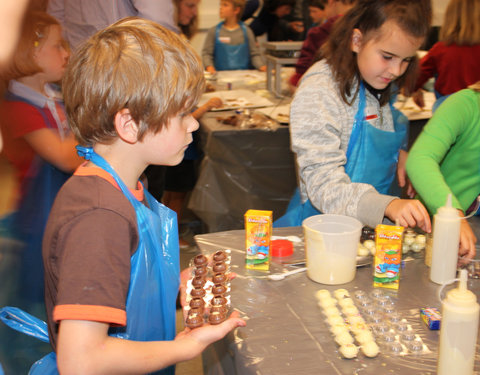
x=41 y=185
x=154 y=279
x=440 y=99
x=231 y=57
x=372 y=157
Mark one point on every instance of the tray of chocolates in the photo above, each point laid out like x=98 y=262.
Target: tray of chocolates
x=208 y=290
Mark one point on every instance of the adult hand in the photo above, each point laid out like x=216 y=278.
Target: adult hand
x=409 y=213
x=297 y=26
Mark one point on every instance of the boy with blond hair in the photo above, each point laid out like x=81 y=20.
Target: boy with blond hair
x=110 y=250
x=231 y=44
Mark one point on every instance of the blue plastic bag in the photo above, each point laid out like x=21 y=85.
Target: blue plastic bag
x=23 y=322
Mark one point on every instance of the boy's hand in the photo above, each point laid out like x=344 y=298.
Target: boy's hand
x=199 y=338
x=211 y=69
x=185 y=275
x=467 y=240
x=409 y=213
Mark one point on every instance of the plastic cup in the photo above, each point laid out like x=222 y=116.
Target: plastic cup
x=471 y=265
x=331 y=243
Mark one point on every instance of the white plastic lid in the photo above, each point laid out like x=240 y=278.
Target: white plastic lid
x=448 y=210
x=461 y=296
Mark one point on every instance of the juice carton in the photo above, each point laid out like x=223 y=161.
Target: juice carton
x=258 y=230
x=388 y=256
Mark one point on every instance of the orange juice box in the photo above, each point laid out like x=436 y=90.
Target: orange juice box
x=258 y=230
x=388 y=256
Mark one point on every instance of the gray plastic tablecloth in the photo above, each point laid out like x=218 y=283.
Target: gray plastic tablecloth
x=242 y=169
x=286 y=332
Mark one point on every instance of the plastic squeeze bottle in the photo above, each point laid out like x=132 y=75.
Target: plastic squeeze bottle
x=458 y=330
x=446 y=237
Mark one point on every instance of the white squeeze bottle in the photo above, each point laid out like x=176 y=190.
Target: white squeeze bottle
x=446 y=237
x=458 y=330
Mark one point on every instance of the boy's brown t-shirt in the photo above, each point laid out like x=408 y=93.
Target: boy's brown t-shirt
x=89 y=239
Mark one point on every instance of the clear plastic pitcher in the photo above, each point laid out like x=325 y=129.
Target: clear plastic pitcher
x=331 y=243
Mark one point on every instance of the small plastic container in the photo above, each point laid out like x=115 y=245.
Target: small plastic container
x=394 y=317
x=366 y=302
x=370 y=311
x=415 y=346
x=360 y=295
x=472 y=267
x=408 y=336
x=376 y=293
x=389 y=309
x=376 y=317
x=400 y=326
x=281 y=248
x=388 y=337
x=395 y=347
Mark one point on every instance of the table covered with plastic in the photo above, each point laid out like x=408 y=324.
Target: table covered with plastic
x=286 y=332
x=243 y=168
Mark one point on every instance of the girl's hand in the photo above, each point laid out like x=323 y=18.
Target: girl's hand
x=401 y=170
x=411 y=192
x=467 y=240
x=418 y=99
x=402 y=174
x=409 y=213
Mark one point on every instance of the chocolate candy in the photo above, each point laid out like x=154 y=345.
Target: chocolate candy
x=219 y=278
x=198 y=281
x=219 y=289
x=194 y=319
x=219 y=256
x=219 y=267
x=200 y=260
x=197 y=303
x=198 y=298
x=216 y=317
x=200 y=271
x=197 y=292
x=219 y=308
x=218 y=300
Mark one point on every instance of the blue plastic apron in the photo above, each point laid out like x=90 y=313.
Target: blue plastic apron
x=440 y=99
x=41 y=185
x=372 y=157
x=154 y=276
x=231 y=57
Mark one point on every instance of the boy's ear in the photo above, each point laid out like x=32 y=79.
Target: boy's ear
x=125 y=126
x=357 y=37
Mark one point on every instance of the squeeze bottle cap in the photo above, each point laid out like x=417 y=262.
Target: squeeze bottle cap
x=448 y=210
x=461 y=296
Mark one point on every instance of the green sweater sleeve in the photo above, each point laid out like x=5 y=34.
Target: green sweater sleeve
x=445 y=157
